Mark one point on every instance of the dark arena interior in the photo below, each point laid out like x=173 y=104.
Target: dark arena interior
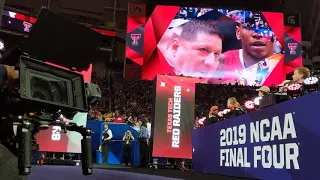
x=137 y=89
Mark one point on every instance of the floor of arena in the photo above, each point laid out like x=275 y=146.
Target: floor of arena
x=115 y=172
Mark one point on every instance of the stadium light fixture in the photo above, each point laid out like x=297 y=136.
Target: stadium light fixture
x=311 y=84
x=1 y=45
x=294 y=90
x=249 y=105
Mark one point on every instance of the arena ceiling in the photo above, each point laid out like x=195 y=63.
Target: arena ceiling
x=111 y=14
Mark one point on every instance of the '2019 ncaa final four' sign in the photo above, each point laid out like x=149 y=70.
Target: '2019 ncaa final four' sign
x=278 y=142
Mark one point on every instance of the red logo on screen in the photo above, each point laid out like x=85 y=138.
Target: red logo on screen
x=135 y=39
x=27 y=26
x=293 y=47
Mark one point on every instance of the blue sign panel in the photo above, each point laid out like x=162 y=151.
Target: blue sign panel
x=278 y=142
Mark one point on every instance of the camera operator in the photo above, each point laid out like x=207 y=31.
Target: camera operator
x=263 y=90
x=8 y=160
x=106 y=137
x=212 y=116
x=235 y=108
x=127 y=138
x=143 y=140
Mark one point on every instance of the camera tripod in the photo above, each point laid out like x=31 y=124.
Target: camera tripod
x=27 y=125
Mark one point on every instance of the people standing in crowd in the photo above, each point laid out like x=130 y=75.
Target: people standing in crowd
x=183 y=13
x=143 y=140
x=130 y=120
x=148 y=127
x=299 y=75
x=117 y=118
x=134 y=98
x=263 y=90
x=190 y=12
x=212 y=116
x=106 y=137
x=127 y=138
x=137 y=124
x=250 y=20
x=235 y=108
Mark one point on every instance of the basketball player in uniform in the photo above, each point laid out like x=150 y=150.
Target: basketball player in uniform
x=256 y=51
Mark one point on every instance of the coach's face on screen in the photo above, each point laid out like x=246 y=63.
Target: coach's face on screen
x=196 y=52
x=255 y=47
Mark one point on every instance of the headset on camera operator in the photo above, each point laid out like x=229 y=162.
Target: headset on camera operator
x=235 y=108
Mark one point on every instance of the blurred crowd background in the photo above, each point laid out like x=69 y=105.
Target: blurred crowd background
x=130 y=101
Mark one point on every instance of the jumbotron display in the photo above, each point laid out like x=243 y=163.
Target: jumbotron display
x=214 y=45
x=173 y=116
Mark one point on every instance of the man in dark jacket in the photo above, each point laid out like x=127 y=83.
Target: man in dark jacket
x=235 y=108
x=212 y=116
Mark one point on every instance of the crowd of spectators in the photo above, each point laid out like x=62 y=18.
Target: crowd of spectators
x=191 y=12
x=104 y=84
x=208 y=95
x=130 y=101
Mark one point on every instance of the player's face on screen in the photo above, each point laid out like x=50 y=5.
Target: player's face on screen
x=257 y=46
x=198 y=58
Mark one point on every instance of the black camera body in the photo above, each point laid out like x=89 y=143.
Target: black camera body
x=43 y=95
x=46 y=93
x=43 y=87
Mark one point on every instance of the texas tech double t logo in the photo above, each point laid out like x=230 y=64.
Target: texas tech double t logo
x=135 y=39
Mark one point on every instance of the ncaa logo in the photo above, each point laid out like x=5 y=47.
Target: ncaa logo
x=137 y=10
x=293 y=47
x=135 y=39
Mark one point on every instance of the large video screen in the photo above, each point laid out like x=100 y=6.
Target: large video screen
x=173 y=116
x=215 y=45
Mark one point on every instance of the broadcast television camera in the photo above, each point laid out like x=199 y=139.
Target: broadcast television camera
x=45 y=94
